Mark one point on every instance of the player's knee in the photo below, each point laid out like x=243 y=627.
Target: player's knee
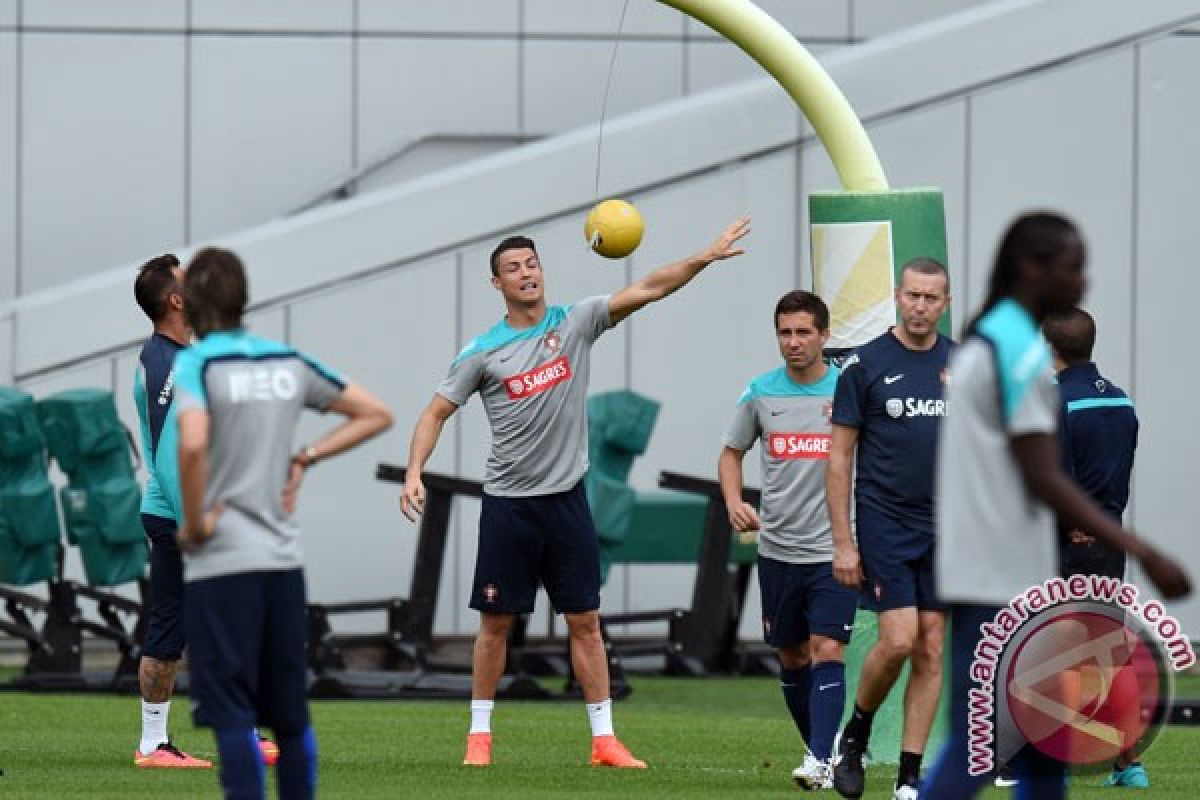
x=794 y=656
x=897 y=647
x=927 y=655
x=584 y=626
x=493 y=626
x=824 y=649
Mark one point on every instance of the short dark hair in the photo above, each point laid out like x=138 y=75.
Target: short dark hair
x=800 y=300
x=155 y=280
x=214 y=291
x=511 y=243
x=1072 y=334
x=923 y=265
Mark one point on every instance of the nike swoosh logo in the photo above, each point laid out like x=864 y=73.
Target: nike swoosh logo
x=848 y=627
x=777 y=413
x=893 y=378
x=827 y=686
x=507 y=357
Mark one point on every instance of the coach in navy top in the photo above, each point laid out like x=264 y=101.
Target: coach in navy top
x=886 y=413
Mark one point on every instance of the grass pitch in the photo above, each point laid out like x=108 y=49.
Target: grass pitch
x=726 y=738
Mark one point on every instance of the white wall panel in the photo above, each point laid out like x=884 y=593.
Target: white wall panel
x=873 y=17
x=803 y=18
x=293 y=15
x=8 y=166
x=8 y=12
x=470 y=16
x=270 y=127
x=600 y=17
x=717 y=63
x=1065 y=142
x=393 y=335
x=413 y=87
x=1164 y=296
x=564 y=81
x=6 y=351
x=132 y=14
x=922 y=148
x=268 y=322
x=102 y=152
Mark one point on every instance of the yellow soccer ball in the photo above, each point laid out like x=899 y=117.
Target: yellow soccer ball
x=614 y=228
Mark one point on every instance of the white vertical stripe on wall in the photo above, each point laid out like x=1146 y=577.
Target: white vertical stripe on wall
x=1167 y=285
x=8 y=169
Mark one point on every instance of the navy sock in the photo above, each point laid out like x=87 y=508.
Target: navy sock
x=796 y=685
x=296 y=770
x=828 y=700
x=240 y=765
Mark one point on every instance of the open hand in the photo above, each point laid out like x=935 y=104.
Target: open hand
x=726 y=245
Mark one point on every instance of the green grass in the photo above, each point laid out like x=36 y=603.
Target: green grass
x=715 y=738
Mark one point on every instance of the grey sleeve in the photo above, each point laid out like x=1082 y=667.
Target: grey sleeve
x=591 y=316
x=321 y=387
x=463 y=379
x=743 y=432
x=1037 y=412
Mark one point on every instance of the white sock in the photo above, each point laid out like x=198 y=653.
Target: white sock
x=481 y=715
x=154 y=726
x=600 y=715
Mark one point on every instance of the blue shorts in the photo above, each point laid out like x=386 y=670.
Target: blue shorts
x=799 y=600
x=164 y=617
x=247 y=651
x=524 y=541
x=897 y=561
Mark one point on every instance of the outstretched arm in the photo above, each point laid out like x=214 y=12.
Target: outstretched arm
x=665 y=280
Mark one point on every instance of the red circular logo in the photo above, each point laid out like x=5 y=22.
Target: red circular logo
x=1083 y=687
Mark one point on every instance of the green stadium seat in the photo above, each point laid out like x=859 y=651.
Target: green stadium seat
x=102 y=499
x=30 y=539
x=655 y=526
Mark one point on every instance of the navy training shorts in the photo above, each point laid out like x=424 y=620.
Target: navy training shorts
x=526 y=541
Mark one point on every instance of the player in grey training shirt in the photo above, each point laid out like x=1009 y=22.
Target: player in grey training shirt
x=1000 y=480
x=239 y=397
x=531 y=371
x=807 y=615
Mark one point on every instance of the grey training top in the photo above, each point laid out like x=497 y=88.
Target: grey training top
x=792 y=422
x=533 y=383
x=994 y=539
x=253 y=390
